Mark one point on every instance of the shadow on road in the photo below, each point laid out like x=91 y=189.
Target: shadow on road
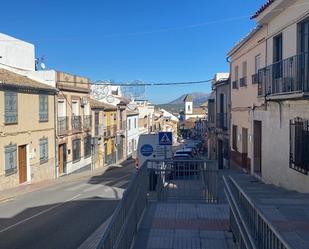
x=60 y=225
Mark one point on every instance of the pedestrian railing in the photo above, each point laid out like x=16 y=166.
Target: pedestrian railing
x=251 y=229
x=129 y=212
x=156 y=180
x=194 y=180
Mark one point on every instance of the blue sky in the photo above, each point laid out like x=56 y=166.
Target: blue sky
x=155 y=41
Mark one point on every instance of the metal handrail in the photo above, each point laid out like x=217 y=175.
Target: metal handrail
x=259 y=214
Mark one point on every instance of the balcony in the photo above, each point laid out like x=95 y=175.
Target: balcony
x=62 y=125
x=222 y=121
x=99 y=130
x=87 y=122
x=110 y=131
x=76 y=122
x=286 y=77
x=243 y=82
x=255 y=78
x=235 y=84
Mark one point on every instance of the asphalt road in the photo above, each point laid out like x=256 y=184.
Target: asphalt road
x=62 y=215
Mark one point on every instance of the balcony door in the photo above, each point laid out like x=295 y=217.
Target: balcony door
x=277 y=66
x=303 y=38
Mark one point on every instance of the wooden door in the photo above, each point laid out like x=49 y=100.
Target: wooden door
x=22 y=163
x=257 y=146
x=245 y=163
x=61 y=158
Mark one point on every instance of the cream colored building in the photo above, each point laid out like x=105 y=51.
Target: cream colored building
x=246 y=58
x=284 y=84
x=27 y=133
x=74 y=123
x=97 y=110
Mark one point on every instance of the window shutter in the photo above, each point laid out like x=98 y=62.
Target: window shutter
x=10 y=158
x=10 y=107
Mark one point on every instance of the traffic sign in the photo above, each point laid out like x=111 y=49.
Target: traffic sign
x=146 y=150
x=165 y=138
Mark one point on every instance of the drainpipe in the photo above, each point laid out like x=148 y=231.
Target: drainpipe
x=55 y=132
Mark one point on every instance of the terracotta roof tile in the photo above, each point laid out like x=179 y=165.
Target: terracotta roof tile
x=18 y=81
x=263 y=7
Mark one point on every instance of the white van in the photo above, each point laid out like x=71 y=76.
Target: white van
x=148 y=148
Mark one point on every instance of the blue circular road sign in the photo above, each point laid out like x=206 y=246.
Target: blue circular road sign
x=146 y=150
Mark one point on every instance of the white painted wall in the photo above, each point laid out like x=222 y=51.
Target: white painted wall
x=16 y=53
x=132 y=133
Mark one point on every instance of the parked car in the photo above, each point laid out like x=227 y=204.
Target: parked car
x=194 y=149
x=185 y=151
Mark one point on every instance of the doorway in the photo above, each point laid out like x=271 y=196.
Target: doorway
x=220 y=154
x=62 y=159
x=245 y=162
x=22 y=163
x=257 y=146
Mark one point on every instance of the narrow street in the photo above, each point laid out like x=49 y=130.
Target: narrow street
x=62 y=215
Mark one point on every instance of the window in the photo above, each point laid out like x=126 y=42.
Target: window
x=115 y=116
x=234 y=137
x=303 y=37
x=10 y=152
x=277 y=48
x=75 y=108
x=299 y=142
x=244 y=69
x=76 y=150
x=189 y=108
x=135 y=122
x=43 y=108
x=129 y=121
x=43 y=150
x=257 y=63
x=87 y=146
x=236 y=73
x=10 y=109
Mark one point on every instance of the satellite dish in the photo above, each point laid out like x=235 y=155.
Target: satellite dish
x=110 y=98
x=42 y=65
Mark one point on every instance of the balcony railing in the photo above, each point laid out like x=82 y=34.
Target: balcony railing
x=110 y=131
x=87 y=122
x=287 y=76
x=62 y=125
x=255 y=78
x=235 y=84
x=99 y=130
x=222 y=121
x=243 y=82
x=76 y=122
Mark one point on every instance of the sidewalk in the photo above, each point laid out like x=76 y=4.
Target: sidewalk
x=185 y=225
x=10 y=194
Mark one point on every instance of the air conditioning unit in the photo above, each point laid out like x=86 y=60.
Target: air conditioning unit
x=84 y=101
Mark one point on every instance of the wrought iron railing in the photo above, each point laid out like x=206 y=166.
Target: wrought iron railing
x=222 y=121
x=76 y=122
x=87 y=120
x=243 y=82
x=255 y=78
x=153 y=181
x=62 y=124
x=110 y=131
x=99 y=130
x=235 y=84
x=290 y=75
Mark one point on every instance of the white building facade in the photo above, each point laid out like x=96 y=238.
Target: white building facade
x=132 y=133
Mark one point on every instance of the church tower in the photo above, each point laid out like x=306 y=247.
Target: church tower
x=188 y=105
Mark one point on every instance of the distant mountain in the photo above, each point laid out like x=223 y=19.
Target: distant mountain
x=198 y=98
x=177 y=105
